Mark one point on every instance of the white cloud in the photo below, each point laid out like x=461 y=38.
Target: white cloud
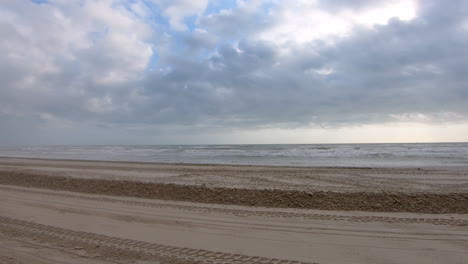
x=72 y=48
x=299 y=22
x=179 y=10
x=401 y=9
x=322 y=71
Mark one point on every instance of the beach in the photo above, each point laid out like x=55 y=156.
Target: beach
x=71 y=211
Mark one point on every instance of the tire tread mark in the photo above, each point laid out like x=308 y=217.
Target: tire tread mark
x=273 y=214
x=198 y=255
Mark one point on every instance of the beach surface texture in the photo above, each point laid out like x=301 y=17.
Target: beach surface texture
x=69 y=211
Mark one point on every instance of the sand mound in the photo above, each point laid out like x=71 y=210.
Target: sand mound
x=355 y=201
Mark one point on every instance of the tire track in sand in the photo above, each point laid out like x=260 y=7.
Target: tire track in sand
x=188 y=254
x=271 y=214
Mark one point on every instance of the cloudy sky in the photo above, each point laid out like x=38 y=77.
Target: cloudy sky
x=187 y=72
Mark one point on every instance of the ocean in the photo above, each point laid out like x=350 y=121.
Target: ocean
x=336 y=155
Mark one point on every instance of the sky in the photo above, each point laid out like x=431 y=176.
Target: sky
x=102 y=72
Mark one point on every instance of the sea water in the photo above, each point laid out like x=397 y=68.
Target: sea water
x=353 y=155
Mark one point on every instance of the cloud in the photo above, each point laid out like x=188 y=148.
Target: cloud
x=179 y=10
x=372 y=75
x=62 y=56
x=305 y=21
x=239 y=22
x=258 y=65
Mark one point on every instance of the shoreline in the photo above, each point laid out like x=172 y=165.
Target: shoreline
x=130 y=162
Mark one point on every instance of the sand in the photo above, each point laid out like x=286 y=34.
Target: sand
x=115 y=212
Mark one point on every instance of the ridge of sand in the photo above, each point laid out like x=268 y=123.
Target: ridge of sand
x=419 y=190
x=349 y=201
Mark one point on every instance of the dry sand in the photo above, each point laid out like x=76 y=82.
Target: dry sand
x=114 y=212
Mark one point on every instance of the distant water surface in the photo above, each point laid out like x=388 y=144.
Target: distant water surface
x=354 y=155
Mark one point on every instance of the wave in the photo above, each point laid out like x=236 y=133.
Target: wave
x=430 y=154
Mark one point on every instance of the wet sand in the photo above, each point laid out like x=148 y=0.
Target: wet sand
x=58 y=211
